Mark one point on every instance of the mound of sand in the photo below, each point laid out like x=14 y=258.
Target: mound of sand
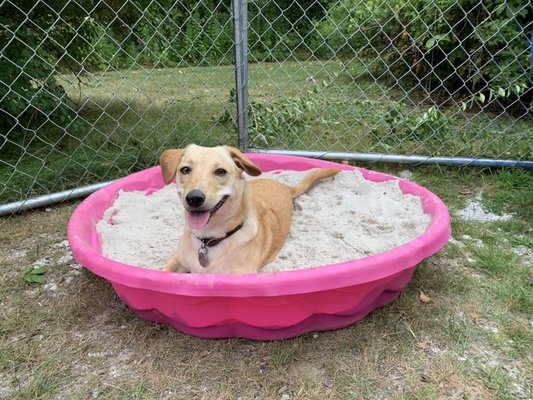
x=340 y=219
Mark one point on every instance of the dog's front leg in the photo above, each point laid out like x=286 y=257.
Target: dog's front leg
x=174 y=265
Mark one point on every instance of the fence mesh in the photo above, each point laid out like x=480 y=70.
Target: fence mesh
x=94 y=90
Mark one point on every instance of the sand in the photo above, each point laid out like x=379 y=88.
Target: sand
x=474 y=211
x=340 y=219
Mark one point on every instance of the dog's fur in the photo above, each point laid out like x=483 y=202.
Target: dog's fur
x=264 y=206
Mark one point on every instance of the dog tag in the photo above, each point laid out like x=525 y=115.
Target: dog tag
x=202 y=256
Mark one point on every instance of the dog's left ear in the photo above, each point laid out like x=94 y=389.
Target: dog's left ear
x=242 y=162
x=169 y=160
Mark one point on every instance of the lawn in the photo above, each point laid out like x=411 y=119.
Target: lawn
x=69 y=336
x=125 y=118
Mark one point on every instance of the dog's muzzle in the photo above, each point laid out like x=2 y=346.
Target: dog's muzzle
x=196 y=216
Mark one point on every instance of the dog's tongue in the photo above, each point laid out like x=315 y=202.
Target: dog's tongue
x=198 y=219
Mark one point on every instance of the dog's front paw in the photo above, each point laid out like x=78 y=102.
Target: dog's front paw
x=173 y=265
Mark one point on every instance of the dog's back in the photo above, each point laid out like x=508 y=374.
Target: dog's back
x=273 y=203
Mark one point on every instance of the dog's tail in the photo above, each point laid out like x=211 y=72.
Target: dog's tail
x=311 y=178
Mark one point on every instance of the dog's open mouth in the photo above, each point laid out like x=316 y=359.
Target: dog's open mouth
x=197 y=219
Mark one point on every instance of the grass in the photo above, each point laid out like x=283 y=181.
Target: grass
x=124 y=119
x=71 y=337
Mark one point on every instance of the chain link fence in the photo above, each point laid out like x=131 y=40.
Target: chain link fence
x=93 y=90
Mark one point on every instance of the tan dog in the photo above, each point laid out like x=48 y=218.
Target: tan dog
x=232 y=226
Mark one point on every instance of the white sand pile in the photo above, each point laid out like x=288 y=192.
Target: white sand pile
x=340 y=219
x=474 y=211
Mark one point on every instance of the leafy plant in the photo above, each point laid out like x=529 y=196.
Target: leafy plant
x=35 y=275
x=446 y=44
x=285 y=121
x=398 y=123
x=40 y=39
x=494 y=94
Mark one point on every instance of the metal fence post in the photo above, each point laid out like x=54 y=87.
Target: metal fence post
x=240 y=26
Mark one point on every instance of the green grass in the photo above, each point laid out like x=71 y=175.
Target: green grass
x=282 y=355
x=510 y=195
x=498 y=380
x=495 y=260
x=123 y=120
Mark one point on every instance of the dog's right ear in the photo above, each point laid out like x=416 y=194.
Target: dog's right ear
x=169 y=160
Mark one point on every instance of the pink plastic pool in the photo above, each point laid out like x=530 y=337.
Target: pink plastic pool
x=257 y=306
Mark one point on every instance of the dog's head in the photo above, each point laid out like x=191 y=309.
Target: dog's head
x=208 y=179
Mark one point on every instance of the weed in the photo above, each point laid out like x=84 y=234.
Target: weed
x=282 y=354
x=494 y=94
x=404 y=124
x=498 y=380
x=35 y=275
x=495 y=260
x=287 y=120
x=459 y=332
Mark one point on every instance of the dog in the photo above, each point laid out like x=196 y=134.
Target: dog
x=233 y=226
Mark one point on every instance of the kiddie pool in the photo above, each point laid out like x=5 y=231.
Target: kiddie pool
x=262 y=306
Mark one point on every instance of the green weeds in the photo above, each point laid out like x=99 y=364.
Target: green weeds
x=35 y=275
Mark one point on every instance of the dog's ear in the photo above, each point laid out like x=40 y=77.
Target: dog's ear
x=242 y=162
x=169 y=161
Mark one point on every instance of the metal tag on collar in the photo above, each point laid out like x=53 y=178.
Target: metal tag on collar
x=202 y=255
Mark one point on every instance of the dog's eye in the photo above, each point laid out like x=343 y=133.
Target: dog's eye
x=185 y=170
x=220 y=172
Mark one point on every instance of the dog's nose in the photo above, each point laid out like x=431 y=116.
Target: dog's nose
x=195 y=198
